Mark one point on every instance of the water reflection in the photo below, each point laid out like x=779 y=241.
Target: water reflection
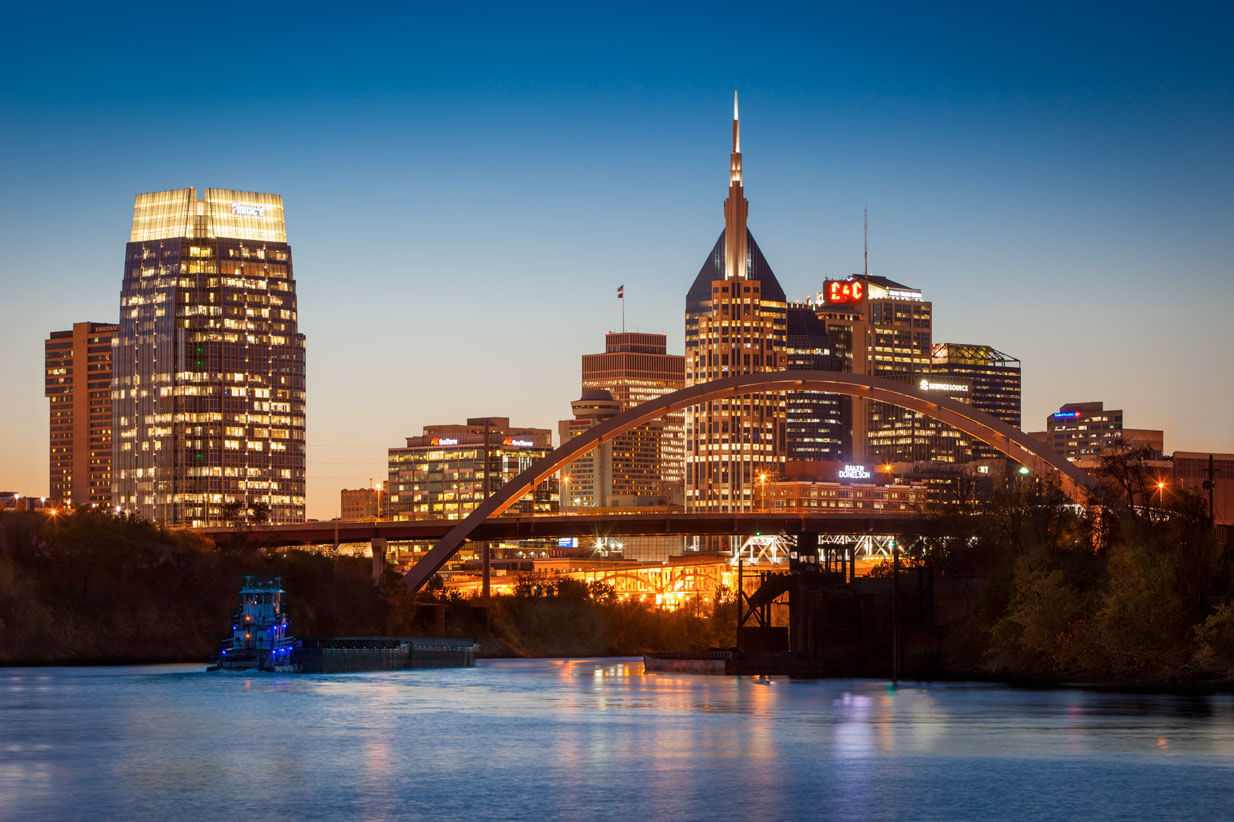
x=594 y=738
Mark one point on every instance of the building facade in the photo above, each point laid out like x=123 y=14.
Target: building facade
x=1211 y=476
x=1084 y=431
x=828 y=485
x=885 y=329
x=623 y=472
x=736 y=323
x=817 y=425
x=450 y=469
x=989 y=381
x=636 y=368
x=357 y=504
x=208 y=390
x=77 y=384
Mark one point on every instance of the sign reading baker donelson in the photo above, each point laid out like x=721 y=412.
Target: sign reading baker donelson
x=854 y=472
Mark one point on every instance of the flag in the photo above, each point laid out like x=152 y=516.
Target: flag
x=621 y=292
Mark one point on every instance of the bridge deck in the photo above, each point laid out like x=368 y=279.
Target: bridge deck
x=575 y=525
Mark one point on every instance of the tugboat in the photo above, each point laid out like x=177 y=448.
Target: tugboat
x=259 y=637
x=260 y=641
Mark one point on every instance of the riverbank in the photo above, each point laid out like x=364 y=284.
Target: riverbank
x=1150 y=607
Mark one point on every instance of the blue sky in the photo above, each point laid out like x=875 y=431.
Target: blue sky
x=466 y=187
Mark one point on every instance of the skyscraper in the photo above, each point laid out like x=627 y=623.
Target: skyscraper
x=77 y=366
x=886 y=329
x=817 y=426
x=623 y=472
x=735 y=324
x=209 y=390
x=989 y=381
x=636 y=368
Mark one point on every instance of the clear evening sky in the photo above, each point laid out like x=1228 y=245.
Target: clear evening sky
x=467 y=185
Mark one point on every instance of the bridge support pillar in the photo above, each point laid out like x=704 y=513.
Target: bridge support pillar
x=486 y=566
x=379 y=558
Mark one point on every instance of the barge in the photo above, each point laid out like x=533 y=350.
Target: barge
x=261 y=640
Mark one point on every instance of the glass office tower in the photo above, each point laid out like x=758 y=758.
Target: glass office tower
x=208 y=386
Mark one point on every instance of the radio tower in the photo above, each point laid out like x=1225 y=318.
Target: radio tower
x=866 y=264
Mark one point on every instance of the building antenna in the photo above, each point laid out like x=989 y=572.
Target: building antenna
x=866 y=264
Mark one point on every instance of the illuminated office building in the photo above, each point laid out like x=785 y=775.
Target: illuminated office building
x=208 y=392
x=623 y=472
x=992 y=384
x=735 y=324
x=1084 y=431
x=842 y=487
x=450 y=469
x=77 y=371
x=636 y=368
x=817 y=425
x=885 y=329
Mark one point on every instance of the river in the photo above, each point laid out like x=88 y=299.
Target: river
x=595 y=739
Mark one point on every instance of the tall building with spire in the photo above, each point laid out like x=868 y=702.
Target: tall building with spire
x=736 y=323
x=208 y=368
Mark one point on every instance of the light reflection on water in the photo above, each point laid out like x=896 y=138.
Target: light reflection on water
x=594 y=738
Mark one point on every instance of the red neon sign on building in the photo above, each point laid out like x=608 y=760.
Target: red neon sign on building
x=844 y=291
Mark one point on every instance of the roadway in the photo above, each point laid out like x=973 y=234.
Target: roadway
x=555 y=526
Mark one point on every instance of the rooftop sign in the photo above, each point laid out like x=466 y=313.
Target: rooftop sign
x=844 y=292
x=248 y=210
x=854 y=472
x=929 y=385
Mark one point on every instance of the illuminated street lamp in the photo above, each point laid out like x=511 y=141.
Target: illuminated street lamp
x=377 y=489
x=762 y=482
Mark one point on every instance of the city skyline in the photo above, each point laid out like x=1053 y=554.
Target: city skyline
x=488 y=241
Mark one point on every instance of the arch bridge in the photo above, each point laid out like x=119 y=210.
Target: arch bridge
x=1017 y=445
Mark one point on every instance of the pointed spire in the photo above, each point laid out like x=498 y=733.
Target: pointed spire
x=736 y=126
x=735 y=250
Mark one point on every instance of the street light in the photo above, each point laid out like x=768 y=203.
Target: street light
x=762 y=481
